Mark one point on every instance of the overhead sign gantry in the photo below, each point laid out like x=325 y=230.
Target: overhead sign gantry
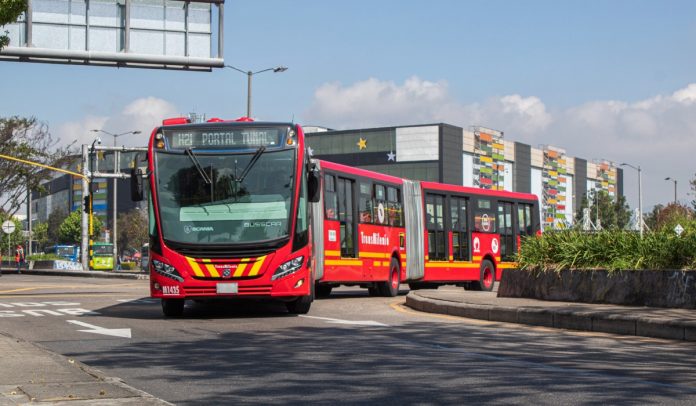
x=161 y=34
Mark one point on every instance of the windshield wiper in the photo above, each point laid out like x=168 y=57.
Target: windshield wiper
x=197 y=164
x=251 y=163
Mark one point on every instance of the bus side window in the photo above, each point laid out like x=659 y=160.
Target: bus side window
x=330 y=200
x=394 y=208
x=365 y=202
x=380 y=200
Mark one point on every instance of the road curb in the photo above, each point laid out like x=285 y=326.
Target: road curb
x=84 y=274
x=581 y=320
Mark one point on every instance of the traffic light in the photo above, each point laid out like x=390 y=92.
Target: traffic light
x=86 y=204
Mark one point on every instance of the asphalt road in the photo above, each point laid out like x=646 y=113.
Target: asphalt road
x=350 y=348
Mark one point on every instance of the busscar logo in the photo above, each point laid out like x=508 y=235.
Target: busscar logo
x=194 y=229
x=262 y=224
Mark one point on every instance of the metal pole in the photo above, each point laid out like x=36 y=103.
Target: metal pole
x=640 y=201
x=249 y=75
x=85 y=220
x=675 y=191
x=114 y=227
x=29 y=213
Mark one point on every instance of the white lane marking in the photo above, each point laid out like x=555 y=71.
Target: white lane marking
x=138 y=301
x=116 y=332
x=349 y=322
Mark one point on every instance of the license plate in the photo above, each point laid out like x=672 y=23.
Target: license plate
x=227 y=288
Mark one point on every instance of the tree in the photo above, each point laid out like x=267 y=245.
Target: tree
x=55 y=219
x=667 y=217
x=9 y=241
x=10 y=10
x=24 y=138
x=39 y=234
x=612 y=213
x=70 y=231
x=692 y=184
x=132 y=229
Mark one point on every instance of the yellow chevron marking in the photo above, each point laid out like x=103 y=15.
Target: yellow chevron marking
x=257 y=266
x=213 y=272
x=240 y=270
x=194 y=266
x=343 y=262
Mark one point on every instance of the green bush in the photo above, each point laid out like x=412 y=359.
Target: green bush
x=129 y=266
x=43 y=257
x=609 y=249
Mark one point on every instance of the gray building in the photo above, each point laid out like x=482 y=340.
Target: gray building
x=476 y=157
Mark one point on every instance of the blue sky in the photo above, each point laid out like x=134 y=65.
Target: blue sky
x=601 y=79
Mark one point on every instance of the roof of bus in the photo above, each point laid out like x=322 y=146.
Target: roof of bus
x=360 y=172
x=478 y=191
x=225 y=123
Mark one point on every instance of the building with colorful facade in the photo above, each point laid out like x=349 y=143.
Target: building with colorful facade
x=477 y=157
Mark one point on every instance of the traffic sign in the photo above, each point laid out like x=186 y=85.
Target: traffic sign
x=678 y=229
x=8 y=226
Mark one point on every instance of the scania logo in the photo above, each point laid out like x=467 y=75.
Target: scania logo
x=189 y=229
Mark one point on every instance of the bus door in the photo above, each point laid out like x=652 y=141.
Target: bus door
x=344 y=191
x=525 y=226
x=508 y=240
x=460 y=230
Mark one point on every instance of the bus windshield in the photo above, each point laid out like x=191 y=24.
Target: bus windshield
x=220 y=198
x=65 y=251
x=103 y=249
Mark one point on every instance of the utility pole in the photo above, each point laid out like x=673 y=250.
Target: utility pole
x=84 y=246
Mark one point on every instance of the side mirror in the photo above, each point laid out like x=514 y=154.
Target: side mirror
x=313 y=183
x=136 y=185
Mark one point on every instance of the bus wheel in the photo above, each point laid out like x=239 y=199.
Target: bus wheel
x=300 y=305
x=323 y=290
x=173 y=307
x=390 y=288
x=487 y=278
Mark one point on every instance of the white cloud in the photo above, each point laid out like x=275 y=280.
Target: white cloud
x=142 y=114
x=656 y=133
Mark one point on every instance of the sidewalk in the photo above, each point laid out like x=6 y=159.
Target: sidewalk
x=675 y=324
x=32 y=375
x=134 y=274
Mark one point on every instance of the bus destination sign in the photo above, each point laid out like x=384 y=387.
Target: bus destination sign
x=224 y=138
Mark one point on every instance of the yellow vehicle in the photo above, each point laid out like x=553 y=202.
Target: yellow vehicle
x=102 y=256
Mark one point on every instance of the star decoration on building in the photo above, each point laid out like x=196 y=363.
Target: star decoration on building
x=391 y=156
x=362 y=144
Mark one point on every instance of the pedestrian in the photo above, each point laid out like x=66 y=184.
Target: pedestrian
x=19 y=258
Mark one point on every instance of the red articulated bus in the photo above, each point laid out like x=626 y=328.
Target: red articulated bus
x=379 y=231
x=229 y=212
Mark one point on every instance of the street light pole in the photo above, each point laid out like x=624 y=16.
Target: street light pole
x=675 y=188
x=249 y=76
x=114 y=209
x=640 y=197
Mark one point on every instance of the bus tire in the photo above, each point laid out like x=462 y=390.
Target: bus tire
x=323 y=290
x=390 y=288
x=173 y=307
x=487 y=277
x=300 y=305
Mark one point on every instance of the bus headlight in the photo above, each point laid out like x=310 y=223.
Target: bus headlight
x=166 y=270
x=288 y=268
